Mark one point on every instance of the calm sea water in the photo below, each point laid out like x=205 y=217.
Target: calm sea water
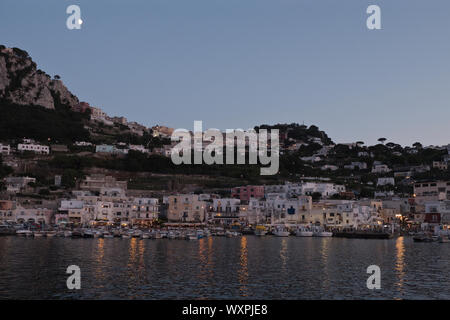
x=222 y=268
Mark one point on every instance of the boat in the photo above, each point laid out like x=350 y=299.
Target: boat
x=38 y=234
x=76 y=234
x=108 y=235
x=6 y=230
x=260 y=230
x=145 y=235
x=126 y=236
x=50 y=234
x=423 y=237
x=363 y=234
x=200 y=234
x=303 y=232
x=191 y=236
x=320 y=232
x=171 y=235
x=281 y=231
x=247 y=231
x=24 y=233
x=157 y=235
x=67 y=234
x=88 y=234
x=136 y=234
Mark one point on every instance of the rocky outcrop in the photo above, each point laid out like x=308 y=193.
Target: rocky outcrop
x=23 y=84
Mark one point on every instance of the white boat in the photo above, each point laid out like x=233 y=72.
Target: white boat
x=67 y=234
x=50 y=234
x=24 y=233
x=303 y=232
x=136 y=234
x=108 y=235
x=320 y=232
x=126 y=236
x=171 y=235
x=145 y=235
x=281 y=232
x=39 y=234
x=191 y=236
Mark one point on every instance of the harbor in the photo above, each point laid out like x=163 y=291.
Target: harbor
x=217 y=267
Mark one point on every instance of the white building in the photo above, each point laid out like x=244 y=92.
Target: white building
x=380 y=168
x=292 y=211
x=36 y=148
x=5 y=149
x=386 y=181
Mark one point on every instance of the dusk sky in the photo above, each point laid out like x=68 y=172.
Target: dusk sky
x=241 y=63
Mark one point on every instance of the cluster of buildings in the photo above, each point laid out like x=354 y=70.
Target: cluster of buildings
x=103 y=200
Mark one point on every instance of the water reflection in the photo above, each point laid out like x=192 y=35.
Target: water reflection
x=283 y=254
x=99 y=255
x=324 y=253
x=400 y=263
x=243 y=270
x=243 y=267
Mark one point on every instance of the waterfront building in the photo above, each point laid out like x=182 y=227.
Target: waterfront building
x=33 y=215
x=186 y=208
x=291 y=211
x=71 y=211
x=7 y=211
x=144 y=211
x=224 y=211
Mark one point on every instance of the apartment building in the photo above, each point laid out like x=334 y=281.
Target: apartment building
x=431 y=191
x=186 y=208
x=246 y=192
x=36 y=148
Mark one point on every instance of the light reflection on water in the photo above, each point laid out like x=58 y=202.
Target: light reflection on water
x=243 y=271
x=218 y=268
x=400 y=263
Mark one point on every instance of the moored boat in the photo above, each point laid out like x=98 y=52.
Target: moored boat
x=50 y=234
x=281 y=231
x=24 y=233
x=303 y=232
x=320 y=232
x=260 y=230
x=39 y=234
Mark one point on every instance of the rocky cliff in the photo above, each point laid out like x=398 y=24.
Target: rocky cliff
x=22 y=83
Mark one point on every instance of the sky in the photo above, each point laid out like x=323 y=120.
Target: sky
x=240 y=63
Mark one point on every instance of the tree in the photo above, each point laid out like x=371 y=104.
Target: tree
x=417 y=145
x=57 y=77
x=382 y=140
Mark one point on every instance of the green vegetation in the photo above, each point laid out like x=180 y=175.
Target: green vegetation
x=60 y=125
